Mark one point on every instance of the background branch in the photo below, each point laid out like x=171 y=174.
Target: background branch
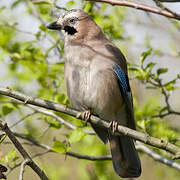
x=23 y=164
x=59 y=119
x=139 y=147
x=143 y=7
x=169 y=1
x=159 y=4
x=157 y=157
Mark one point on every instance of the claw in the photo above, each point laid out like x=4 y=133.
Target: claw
x=110 y=124
x=113 y=124
x=86 y=116
x=26 y=100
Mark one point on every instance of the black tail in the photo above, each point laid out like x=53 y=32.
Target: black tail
x=125 y=158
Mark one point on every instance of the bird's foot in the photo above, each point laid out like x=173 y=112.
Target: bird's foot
x=86 y=116
x=113 y=124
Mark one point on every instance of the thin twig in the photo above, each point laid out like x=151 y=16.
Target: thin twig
x=16 y=29
x=157 y=157
x=73 y=154
x=157 y=82
x=143 y=7
x=159 y=4
x=22 y=119
x=169 y=1
x=23 y=164
x=49 y=113
x=87 y=157
x=59 y=119
x=139 y=147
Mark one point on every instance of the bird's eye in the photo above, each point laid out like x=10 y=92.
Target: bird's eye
x=72 y=20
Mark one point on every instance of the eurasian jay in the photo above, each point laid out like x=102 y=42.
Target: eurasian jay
x=97 y=82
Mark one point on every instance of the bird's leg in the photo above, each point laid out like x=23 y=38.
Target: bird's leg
x=86 y=116
x=113 y=124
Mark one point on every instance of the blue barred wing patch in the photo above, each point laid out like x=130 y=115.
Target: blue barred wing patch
x=122 y=79
x=124 y=86
x=125 y=89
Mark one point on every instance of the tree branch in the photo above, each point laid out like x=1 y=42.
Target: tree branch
x=23 y=164
x=139 y=147
x=2 y=170
x=143 y=7
x=4 y=127
x=157 y=83
x=159 y=4
x=121 y=130
x=59 y=119
x=157 y=157
x=72 y=154
x=169 y=1
x=22 y=119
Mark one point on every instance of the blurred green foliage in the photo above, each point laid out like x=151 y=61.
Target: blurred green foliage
x=27 y=57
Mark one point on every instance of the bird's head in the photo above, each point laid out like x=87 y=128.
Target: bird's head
x=77 y=24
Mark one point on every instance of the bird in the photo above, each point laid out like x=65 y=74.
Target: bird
x=97 y=83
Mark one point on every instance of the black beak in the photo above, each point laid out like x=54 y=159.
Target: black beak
x=54 y=26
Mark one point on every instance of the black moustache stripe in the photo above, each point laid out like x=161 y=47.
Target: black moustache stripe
x=70 y=30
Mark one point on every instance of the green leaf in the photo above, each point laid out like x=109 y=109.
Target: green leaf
x=87 y=7
x=163 y=109
x=162 y=70
x=60 y=147
x=62 y=99
x=150 y=66
x=140 y=74
x=76 y=136
x=158 y=51
x=43 y=2
x=144 y=55
x=2 y=8
x=6 y=109
x=6 y=34
x=151 y=87
x=12 y=156
x=43 y=28
x=141 y=124
x=133 y=69
x=170 y=85
x=38 y=35
x=2 y=137
x=14 y=4
x=148 y=70
x=53 y=124
x=70 y=4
